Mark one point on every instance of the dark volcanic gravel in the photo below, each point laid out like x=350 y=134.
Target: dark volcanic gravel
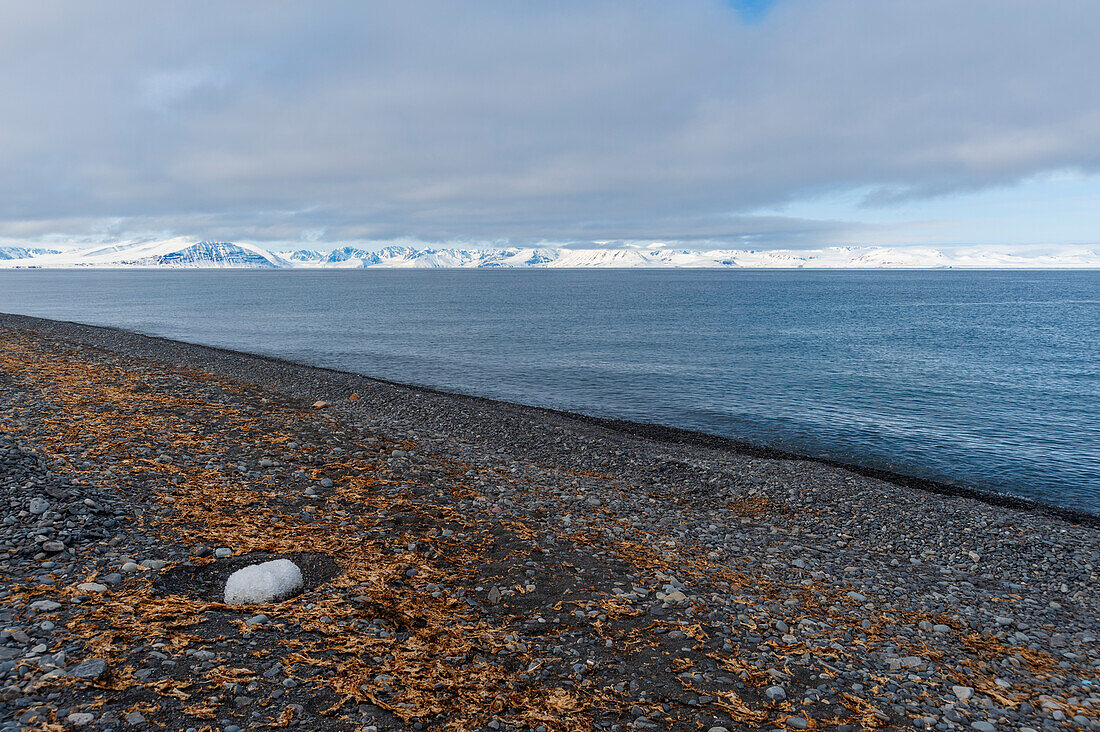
x=472 y=564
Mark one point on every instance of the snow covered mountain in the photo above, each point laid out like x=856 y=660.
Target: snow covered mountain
x=178 y=253
x=187 y=253
x=24 y=252
x=219 y=254
x=302 y=256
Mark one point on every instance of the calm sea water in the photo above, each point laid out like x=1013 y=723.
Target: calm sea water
x=988 y=379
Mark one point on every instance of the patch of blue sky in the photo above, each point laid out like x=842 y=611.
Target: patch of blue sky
x=752 y=11
x=1061 y=207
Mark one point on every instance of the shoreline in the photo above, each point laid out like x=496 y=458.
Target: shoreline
x=477 y=565
x=648 y=430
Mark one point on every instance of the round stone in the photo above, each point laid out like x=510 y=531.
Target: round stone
x=93 y=668
x=91 y=587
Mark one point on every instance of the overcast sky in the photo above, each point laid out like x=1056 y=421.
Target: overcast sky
x=796 y=123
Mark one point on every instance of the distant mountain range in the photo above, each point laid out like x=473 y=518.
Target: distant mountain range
x=187 y=253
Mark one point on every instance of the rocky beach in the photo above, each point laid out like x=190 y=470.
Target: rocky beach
x=477 y=565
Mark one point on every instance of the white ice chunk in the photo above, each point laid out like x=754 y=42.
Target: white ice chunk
x=265 y=582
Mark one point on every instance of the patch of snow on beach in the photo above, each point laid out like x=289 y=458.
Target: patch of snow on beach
x=267 y=582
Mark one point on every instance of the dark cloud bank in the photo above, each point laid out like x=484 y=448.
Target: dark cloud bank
x=522 y=121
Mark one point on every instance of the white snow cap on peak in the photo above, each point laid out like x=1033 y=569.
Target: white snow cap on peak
x=267 y=582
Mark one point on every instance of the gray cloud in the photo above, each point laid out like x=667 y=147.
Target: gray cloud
x=564 y=121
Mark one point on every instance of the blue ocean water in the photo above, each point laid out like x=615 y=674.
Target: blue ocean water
x=986 y=379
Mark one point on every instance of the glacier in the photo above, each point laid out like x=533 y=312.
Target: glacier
x=186 y=253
